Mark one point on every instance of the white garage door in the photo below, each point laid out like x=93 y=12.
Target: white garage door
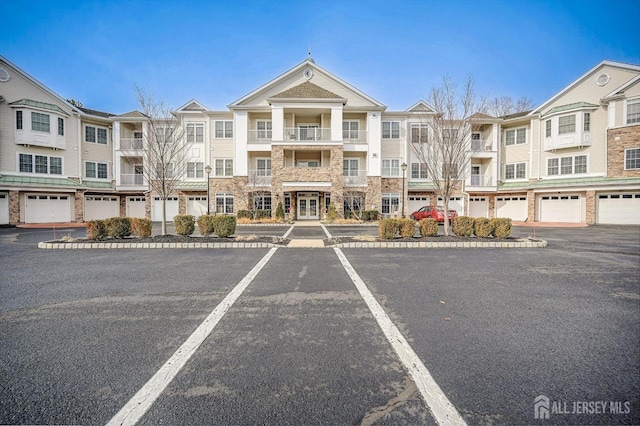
x=99 y=207
x=512 y=207
x=47 y=208
x=621 y=208
x=197 y=206
x=479 y=207
x=4 y=208
x=455 y=203
x=136 y=207
x=417 y=201
x=561 y=208
x=156 y=209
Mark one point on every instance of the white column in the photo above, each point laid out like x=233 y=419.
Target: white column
x=277 y=123
x=336 y=123
x=241 y=131
x=374 y=141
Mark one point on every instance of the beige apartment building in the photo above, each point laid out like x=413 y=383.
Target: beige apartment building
x=307 y=138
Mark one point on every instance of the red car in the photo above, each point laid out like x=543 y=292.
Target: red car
x=436 y=213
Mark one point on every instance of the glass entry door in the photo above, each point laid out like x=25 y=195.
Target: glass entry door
x=308 y=208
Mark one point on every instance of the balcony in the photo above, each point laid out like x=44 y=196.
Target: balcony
x=261 y=177
x=131 y=180
x=259 y=136
x=354 y=136
x=481 y=145
x=131 y=143
x=307 y=134
x=355 y=177
x=480 y=180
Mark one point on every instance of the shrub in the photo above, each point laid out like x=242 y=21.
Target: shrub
x=141 y=227
x=185 y=224
x=224 y=226
x=245 y=214
x=407 y=228
x=483 y=227
x=260 y=214
x=205 y=225
x=463 y=226
x=428 y=227
x=388 y=228
x=373 y=214
x=96 y=229
x=501 y=227
x=332 y=213
x=279 y=211
x=118 y=227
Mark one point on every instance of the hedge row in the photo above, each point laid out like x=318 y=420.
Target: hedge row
x=463 y=226
x=390 y=228
x=255 y=214
x=118 y=227
x=220 y=225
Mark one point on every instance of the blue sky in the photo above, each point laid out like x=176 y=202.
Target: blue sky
x=395 y=51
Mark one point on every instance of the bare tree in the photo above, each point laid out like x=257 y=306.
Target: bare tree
x=353 y=203
x=505 y=105
x=258 y=185
x=445 y=153
x=165 y=151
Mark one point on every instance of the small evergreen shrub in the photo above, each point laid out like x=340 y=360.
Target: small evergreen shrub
x=463 y=226
x=245 y=214
x=185 y=224
x=372 y=214
x=262 y=214
x=96 y=229
x=279 y=211
x=141 y=227
x=205 y=224
x=428 y=227
x=365 y=215
x=483 y=227
x=407 y=227
x=332 y=213
x=224 y=226
x=501 y=227
x=388 y=228
x=118 y=227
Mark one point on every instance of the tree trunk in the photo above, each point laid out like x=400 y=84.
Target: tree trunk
x=446 y=215
x=164 y=216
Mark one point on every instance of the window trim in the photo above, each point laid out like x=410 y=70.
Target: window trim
x=226 y=133
x=96 y=135
x=515 y=170
x=632 y=101
x=636 y=159
x=33 y=166
x=391 y=167
x=198 y=172
x=97 y=170
x=391 y=129
x=19 y=120
x=226 y=164
x=519 y=136
x=423 y=133
x=35 y=123
x=390 y=196
x=558 y=166
x=225 y=197
x=421 y=171
x=567 y=128
x=193 y=126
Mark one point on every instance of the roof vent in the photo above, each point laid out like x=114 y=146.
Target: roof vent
x=603 y=79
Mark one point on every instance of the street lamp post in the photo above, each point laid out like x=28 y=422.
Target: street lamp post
x=404 y=169
x=208 y=170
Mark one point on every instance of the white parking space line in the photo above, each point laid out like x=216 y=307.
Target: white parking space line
x=288 y=232
x=146 y=396
x=326 y=231
x=443 y=411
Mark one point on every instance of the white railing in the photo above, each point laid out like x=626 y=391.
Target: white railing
x=355 y=177
x=260 y=177
x=480 y=180
x=354 y=136
x=481 y=145
x=260 y=136
x=131 y=180
x=131 y=143
x=307 y=134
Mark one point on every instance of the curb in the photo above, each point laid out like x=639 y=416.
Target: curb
x=382 y=244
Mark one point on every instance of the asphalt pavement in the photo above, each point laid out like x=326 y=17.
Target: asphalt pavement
x=82 y=331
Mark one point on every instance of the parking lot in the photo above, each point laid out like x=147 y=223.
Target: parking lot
x=83 y=331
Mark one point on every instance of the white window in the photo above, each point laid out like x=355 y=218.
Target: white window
x=418 y=171
x=165 y=172
x=19 y=120
x=264 y=129
x=60 y=126
x=29 y=163
x=567 y=124
x=223 y=167
x=547 y=128
x=350 y=129
x=632 y=159
x=195 y=170
x=567 y=165
x=390 y=167
x=390 y=130
x=586 y=122
x=515 y=171
x=224 y=203
x=95 y=135
x=262 y=201
x=263 y=166
x=633 y=111
x=516 y=136
x=580 y=164
x=419 y=133
x=390 y=203
x=195 y=132
x=40 y=122
x=553 y=167
x=96 y=170
x=350 y=167
x=224 y=129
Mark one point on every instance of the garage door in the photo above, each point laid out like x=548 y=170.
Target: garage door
x=197 y=206
x=620 y=208
x=99 y=207
x=136 y=207
x=478 y=207
x=416 y=201
x=156 y=209
x=4 y=208
x=513 y=207
x=560 y=208
x=455 y=203
x=47 y=208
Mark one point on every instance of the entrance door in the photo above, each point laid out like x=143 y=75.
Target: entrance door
x=308 y=208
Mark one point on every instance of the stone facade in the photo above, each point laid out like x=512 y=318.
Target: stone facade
x=78 y=204
x=14 y=207
x=590 y=204
x=618 y=140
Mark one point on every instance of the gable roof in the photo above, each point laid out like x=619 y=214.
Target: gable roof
x=568 y=107
x=193 y=105
x=307 y=90
x=132 y=114
x=620 y=90
x=38 y=104
x=420 y=106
